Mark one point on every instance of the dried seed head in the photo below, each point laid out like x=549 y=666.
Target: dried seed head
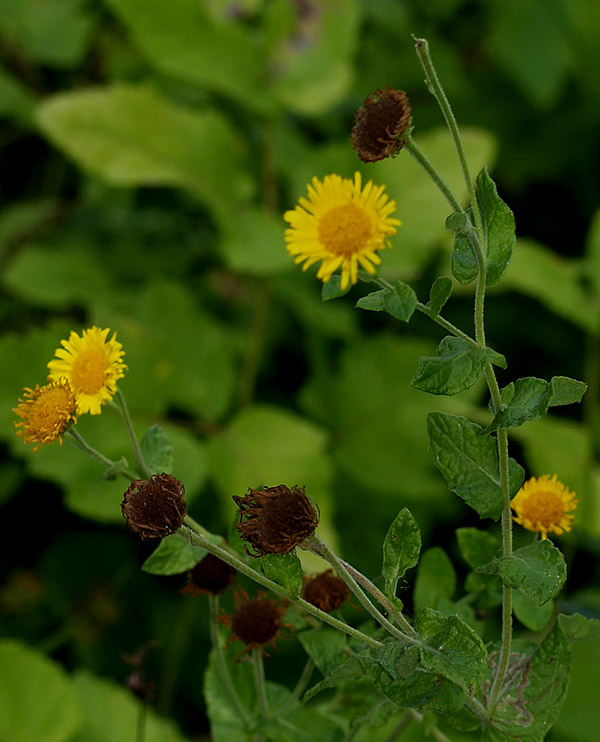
x=255 y=622
x=154 y=507
x=211 y=576
x=382 y=125
x=325 y=591
x=275 y=520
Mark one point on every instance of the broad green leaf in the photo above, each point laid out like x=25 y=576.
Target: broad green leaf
x=436 y=579
x=299 y=724
x=525 y=399
x=315 y=65
x=564 y=390
x=326 y=647
x=439 y=295
x=332 y=289
x=32 y=689
x=185 y=40
x=456 y=367
x=533 y=697
x=537 y=570
x=400 y=303
x=16 y=101
x=463 y=262
x=285 y=570
x=174 y=555
x=350 y=670
x=555 y=281
x=498 y=227
x=225 y=722
x=401 y=549
x=157 y=451
x=579 y=628
x=420 y=689
x=477 y=547
x=54 y=34
x=533 y=616
x=468 y=460
x=105 y=130
x=252 y=242
x=453 y=649
x=112 y=712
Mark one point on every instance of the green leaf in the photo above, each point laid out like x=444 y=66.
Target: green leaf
x=175 y=555
x=333 y=288
x=463 y=262
x=525 y=399
x=285 y=570
x=436 y=579
x=105 y=131
x=453 y=649
x=157 y=451
x=537 y=570
x=401 y=549
x=400 y=303
x=350 y=670
x=498 y=227
x=578 y=628
x=326 y=648
x=112 y=711
x=533 y=616
x=225 y=722
x=564 y=390
x=420 y=689
x=533 y=697
x=456 y=367
x=439 y=294
x=468 y=461
x=32 y=689
x=299 y=724
x=477 y=547
x=459 y=221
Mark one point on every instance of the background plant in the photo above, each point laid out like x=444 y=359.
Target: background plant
x=261 y=383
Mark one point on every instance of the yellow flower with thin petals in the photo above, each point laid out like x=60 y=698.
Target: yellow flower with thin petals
x=92 y=365
x=45 y=413
x=343 y=225
x=544 y=505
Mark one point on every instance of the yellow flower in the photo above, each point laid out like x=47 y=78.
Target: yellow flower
x=45 y=413
x=543 y=505
x=92 y=365
x=341 y=224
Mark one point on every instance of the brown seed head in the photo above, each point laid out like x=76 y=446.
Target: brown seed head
x=211 y=576
x=275 y=520
x=325 y=591
x=154 y=507
x=382 y=125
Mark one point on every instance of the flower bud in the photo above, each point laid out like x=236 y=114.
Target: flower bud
x=211 y=576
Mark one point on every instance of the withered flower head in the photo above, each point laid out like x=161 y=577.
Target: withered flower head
x=382 y=125
x=211 y=576
x=255 y=621
x=325 y=591
x=275 y=520
x=155 y=507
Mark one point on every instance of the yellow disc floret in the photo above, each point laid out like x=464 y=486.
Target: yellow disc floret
x=341 y=224
x=544 y=505
x=45 y=413
x=91 y=364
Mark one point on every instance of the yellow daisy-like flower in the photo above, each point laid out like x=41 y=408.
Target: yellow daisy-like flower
x=45 y=413
x=341 y=224
x=92 y=365
x=544 y=505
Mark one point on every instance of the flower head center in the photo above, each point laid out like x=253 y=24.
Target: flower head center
x=345 y=230
x=51 y=411
x=545 y=508
x=88 y=371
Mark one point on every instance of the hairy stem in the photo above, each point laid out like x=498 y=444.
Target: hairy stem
x=121 y=406
x=74 y=437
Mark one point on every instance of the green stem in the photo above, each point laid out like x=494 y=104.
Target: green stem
x=121 y=406
x=320 y=548
x=427 y=165
x=382 y=599
x=436 y=89
x=74 y=437
x=199 y=539
x=258 y=668
x=221 y=665
x=298 y=690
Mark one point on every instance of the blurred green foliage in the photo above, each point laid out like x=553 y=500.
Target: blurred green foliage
x=148 y=151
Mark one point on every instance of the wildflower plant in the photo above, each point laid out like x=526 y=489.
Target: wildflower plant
x=439 y=665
